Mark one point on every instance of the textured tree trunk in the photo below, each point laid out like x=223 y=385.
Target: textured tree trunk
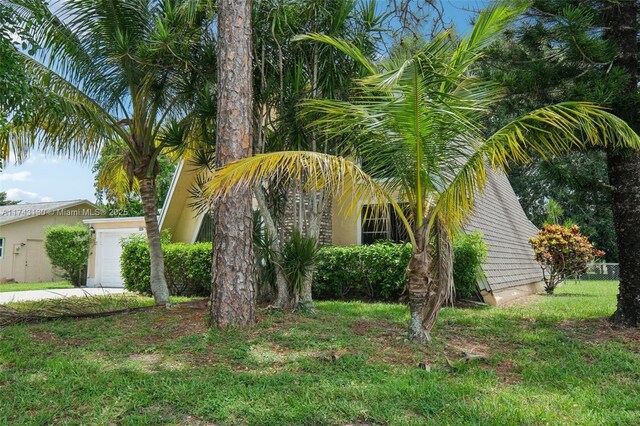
x=430 y=282
x=282 y=289
x=624 y=177
x=232 y=291
x=624 y=167
x=315 y=216
x=158 y=282
x=419 y=280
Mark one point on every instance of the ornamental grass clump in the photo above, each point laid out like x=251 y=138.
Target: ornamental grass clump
x=562 y=252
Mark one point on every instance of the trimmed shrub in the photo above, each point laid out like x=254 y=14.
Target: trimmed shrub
x=374 y=272
x=368 y=272
x=187 y=267
x=378 y=271
x=470 y=253
x=68 y=250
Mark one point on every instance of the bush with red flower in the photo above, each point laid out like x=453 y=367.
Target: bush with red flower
x=562 y=252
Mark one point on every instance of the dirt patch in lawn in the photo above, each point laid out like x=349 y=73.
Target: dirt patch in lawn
x=601 y=330
x=45 y=337
x=165 y=324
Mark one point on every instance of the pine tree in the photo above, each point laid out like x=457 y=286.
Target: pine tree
x=581 y=51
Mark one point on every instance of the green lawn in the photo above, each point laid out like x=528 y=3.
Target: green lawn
x=553 y=360
x=34 y=286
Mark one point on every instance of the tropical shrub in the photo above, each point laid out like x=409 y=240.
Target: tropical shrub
x=374 y=272
x=470 y=253
x=298 y=256
x=68 y=250
x=135 y=265
x=378 y=271
x=187 y=267
x=368 y=272
x=562 y=252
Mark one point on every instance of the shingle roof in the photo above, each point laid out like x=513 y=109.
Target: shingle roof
x=506 y=230
x=14 y=213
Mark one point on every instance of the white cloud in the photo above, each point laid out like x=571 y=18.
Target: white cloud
x=19 y=194
x=15 y=177
x=38 y=158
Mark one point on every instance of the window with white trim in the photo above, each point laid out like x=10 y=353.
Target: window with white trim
x=1 y=248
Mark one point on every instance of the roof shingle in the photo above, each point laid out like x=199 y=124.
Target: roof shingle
x=506 y=231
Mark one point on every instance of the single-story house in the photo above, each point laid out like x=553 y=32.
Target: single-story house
x=22 y=226
x=509 y=272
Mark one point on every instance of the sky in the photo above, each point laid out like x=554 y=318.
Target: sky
x=44 y=178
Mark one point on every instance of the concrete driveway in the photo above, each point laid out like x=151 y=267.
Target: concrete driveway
x=22 y=296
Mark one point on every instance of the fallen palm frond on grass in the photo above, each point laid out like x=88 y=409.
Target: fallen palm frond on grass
x=72 y=307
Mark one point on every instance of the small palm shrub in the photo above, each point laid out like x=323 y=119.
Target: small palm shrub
x=562 y=252
x=68 y=250
x=298 y=257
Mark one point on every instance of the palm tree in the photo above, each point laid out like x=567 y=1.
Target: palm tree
x=112 y=72
x=285 y=73
x=416 y=123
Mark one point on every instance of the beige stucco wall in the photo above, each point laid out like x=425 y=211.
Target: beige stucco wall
x=123 y=223
x=344 y=225
x=24 y=258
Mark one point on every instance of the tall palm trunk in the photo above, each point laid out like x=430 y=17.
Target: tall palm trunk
x=232 y=291
x=418 y=286
x=430 y=281
x=158 y=282
x=316 y=209
x=282 y=289
x=624 y=167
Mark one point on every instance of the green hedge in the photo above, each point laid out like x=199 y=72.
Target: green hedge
x=378 y=271
x=470 y=252
x=375 y=272
x=370 y=272
x=187 y=267
x=68 y=250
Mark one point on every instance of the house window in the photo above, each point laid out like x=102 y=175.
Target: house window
x=1 y=248
x=205 y=233
x=382 y=224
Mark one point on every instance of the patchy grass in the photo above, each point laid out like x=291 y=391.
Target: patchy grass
x=554 y=360
x=34 y=286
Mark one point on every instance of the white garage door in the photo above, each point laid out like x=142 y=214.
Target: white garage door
x=109 y=258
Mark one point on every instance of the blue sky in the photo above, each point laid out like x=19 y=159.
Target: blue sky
x=46 y=178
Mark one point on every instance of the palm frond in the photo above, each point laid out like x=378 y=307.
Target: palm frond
x=340 y=178
x=552 y=130
x=63 y=120
x=342 y=45
x=116 y=176
x=490 y=23
x=557 y=129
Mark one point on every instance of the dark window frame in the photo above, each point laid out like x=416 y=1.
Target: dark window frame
x=381 y=224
